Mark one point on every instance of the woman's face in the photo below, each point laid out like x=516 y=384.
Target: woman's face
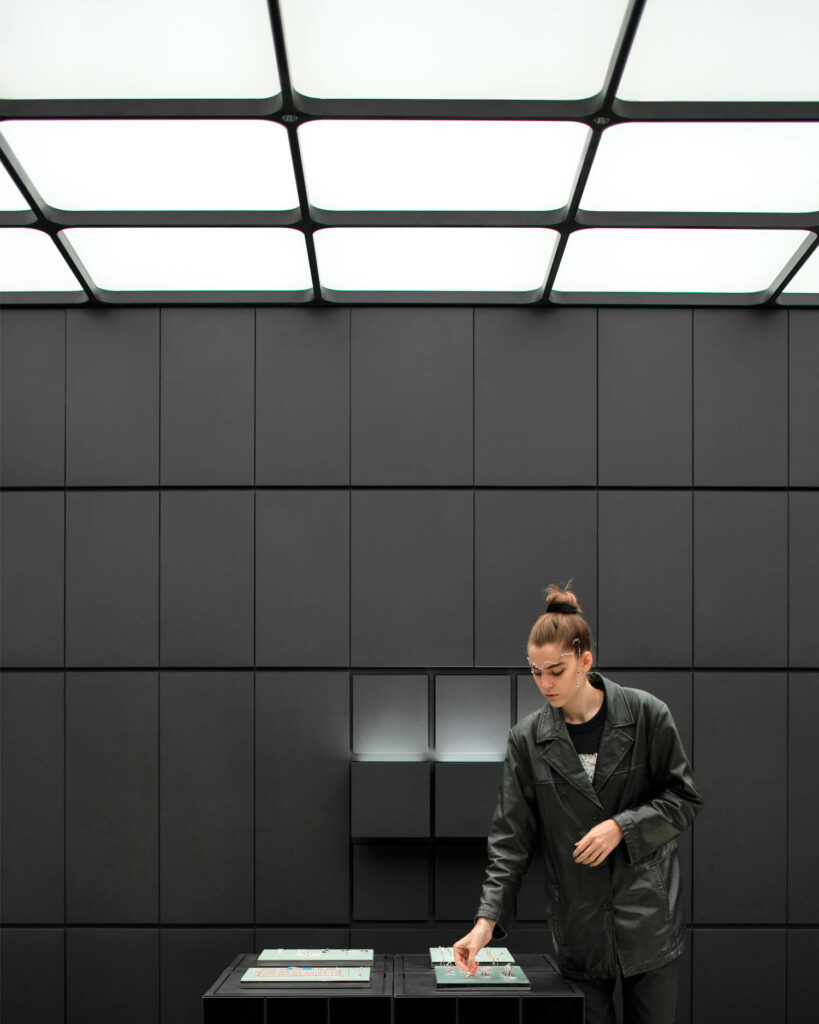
x=555 y=671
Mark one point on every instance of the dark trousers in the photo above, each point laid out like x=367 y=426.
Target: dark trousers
x=648 y=998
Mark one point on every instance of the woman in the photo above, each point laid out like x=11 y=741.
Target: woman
x=598 y=778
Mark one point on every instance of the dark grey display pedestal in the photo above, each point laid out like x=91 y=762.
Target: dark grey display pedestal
x=402 y=991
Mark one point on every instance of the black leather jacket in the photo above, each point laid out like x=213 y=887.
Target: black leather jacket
x=631 y=906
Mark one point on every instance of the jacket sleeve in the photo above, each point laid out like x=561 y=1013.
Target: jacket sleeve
x=675 y=801
x=512 y=838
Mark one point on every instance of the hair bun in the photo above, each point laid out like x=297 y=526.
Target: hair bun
x=562 y=601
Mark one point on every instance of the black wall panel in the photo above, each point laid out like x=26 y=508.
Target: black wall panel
x=740 y=398
x=740 y=740
x=206 y=572
x=302 y=797
x=190 y=959
x=803 y=578
x=535 y=397
x=112 y=975
x=184 y=793
x=525 y=540
x=740 y=578
x=411 y=396
x=390 y=882
x=32 y=398
x=32 y=838
x=111 y=789
x=645 y=577
x=739 y=975
x=207 y=397
x=32 y=579
x=803 y=397
x=303 y=397
x=112 y=397
x=302 y=577
x=206 y=797
x=33 y=976
x=411 y=577
x=803 y=798
x=644 y=397
x=112 y=537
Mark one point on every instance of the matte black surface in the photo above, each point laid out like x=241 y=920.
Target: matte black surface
x=740 y=571
x=411 y=392
x=302 y=779
x=739 y=974
x=112 y=397
x=112 y=975
x=32 y=837
x=740 y=744
x=32 y=398
x=803 y=397
x=646 y=559
x=465 y=795
x=411 y=577
x=459 y=871
x=803 y=577
x=302 y=577
x=189 y=960
x=410 y=938
x=740 y=398
x=206 y=567
x=390 y=801
x=111 y=794
x=206 y=797
x=303 y=938
x=33 y=975
x=31 y=582
x=803 y=802
x=303 y=396
x=644 y=397
x=112 y=578
x=207 y=396
x=535 y=409
x=390 y=882
x=803 y=978
x=525 y=540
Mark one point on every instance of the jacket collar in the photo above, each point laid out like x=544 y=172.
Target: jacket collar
x=615 y=741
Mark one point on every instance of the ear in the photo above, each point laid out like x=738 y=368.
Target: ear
x=587 y=660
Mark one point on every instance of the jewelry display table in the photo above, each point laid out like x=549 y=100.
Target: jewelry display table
x=402 y=991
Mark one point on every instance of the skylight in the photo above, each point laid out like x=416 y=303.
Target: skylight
x=31 y=262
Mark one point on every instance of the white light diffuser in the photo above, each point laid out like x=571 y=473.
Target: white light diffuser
x=806 y=280
x=31 y=262
x=441 y=165
x=728 y=167
x=11 y=198
x=434 y=259
x=193 y=259
x=156 y=164
x=731 y=50
x=146 y=50
x=689 y=260
x=450 y=49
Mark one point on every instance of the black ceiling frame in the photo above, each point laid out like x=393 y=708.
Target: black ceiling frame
x=291 y=109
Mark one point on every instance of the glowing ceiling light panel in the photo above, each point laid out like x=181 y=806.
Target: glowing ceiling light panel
x=193 y=259
x=147 y=50
x=674 y=260
x=11 y=198
x=31 y=262
x=156 y=164
x=728 y=167
x=734 y=50
x=422 y=260
x=451 y=49
x=441 y=165
x=805 y=281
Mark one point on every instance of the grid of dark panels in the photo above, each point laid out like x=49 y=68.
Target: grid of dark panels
x=291 y=109
x=213 y=520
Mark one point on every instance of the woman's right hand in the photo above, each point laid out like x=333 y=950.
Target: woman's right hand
x=467 y=948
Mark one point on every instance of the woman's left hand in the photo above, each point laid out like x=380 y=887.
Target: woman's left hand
x=597 y=843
